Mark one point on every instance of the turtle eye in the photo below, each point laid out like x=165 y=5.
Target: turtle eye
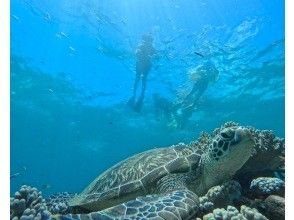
x=227 y=134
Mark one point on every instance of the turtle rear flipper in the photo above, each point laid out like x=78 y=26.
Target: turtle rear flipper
x=182 y=204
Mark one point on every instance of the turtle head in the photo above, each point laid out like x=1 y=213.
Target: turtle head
x=230 y=143
x=228 y=152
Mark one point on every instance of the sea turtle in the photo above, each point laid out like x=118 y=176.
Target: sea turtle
x=163 y=183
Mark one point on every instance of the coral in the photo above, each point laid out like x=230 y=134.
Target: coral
x=264 y=186
x=220 y=196
x=273 y=207
x=251 y=213
x=28 y=204
x=269 y=152
x=267 y=159
x=226 y=125
x=232 y=213
x=58 y=203
x=202 y=142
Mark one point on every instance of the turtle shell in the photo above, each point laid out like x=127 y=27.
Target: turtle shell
x=135 y=176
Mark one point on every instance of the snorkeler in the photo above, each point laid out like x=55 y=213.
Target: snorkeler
x=144 y=56
x=202 y=76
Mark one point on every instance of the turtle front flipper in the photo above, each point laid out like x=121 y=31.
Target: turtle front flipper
x=177 y=205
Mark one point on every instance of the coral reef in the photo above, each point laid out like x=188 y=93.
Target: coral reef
x=265 y=186
x=202 y=142
x=273 y=207
x=232 y=213
x=267 y=158
x=28 y=204
x=58 y=203
x=225 y=125
x=220 y=196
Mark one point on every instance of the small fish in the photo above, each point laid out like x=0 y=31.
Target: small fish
x=124 y=21
x=51 y=90
x=15 y=17
x=14 y=175
x=63 y=34
x=47 y=17
x=72 y=49
x=199 y=54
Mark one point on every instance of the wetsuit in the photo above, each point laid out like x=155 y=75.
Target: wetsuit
x=184 y=110
x=143 y=66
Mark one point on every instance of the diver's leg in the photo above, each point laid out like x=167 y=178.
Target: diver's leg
x=197 y=91
x=139 y=103
x=179 y=111
x=189 y=104
x=144 y=82
x=136 y=84
x=131 y=101
x=201 y=89
x=190 y=97
x=176 y=205
x=186 y=114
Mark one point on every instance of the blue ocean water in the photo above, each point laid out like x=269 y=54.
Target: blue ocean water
x=73 y=70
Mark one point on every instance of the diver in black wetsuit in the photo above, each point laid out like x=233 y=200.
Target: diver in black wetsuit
x=144 y=56
x=203 y=75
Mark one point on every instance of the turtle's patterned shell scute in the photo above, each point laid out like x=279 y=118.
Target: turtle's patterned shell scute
x=139 y=173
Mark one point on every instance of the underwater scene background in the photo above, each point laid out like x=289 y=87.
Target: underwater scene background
x=73 y=70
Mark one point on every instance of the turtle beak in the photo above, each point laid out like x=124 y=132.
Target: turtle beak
x=244 y=135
